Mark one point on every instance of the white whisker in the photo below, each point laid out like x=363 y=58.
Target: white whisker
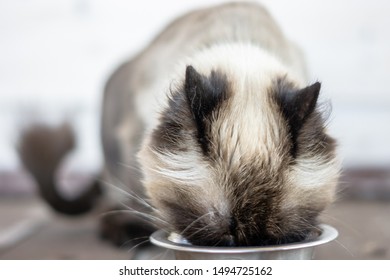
x=136 y=246
x=129 y=194
x=134 y=168
x=147 y=216
x=345 y=248
x=133 y=239
x=195 y=221
x=344 y=224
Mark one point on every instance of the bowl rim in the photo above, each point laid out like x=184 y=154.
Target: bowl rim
x=329 y=233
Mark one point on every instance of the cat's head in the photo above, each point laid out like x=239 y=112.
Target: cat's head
x=240 y=155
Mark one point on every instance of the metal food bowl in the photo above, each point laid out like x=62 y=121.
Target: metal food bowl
x=303 y=250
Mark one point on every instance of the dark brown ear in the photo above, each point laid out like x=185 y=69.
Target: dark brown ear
x=297 y=106
x=204 y=95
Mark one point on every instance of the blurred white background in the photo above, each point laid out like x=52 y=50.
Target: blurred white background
x=55 y=57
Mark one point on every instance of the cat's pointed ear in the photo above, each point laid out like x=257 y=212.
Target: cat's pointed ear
x=194 y=86
x=192 y=80
x=303 y=102
x=204 y=94
x=298 y=105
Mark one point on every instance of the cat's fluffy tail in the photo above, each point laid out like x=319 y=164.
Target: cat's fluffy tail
x=41 y=149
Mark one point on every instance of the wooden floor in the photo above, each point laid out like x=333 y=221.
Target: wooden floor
x=30 y=230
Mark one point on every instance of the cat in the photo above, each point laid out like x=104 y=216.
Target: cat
x=217 y=133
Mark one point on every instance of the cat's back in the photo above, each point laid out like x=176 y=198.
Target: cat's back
x=243 y=22
x=149 y=74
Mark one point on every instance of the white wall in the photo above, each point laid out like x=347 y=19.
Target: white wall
x=56 y=55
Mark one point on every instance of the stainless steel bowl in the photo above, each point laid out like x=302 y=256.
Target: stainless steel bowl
x=293 y=251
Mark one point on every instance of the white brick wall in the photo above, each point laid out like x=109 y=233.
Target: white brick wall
x=55 y=57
